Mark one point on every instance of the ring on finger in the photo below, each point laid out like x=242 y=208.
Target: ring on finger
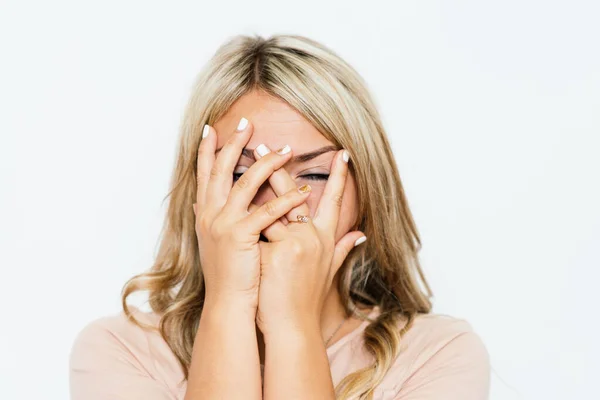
x=301 y=219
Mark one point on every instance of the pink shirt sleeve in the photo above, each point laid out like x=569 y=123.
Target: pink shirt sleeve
x=102 y=367
x=460 y=370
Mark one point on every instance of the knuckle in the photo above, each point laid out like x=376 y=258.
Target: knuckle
x=338 y=199
x=243 y=182
x=203 y=149
x=215 y=171
x=270 y=208
x=201 y=176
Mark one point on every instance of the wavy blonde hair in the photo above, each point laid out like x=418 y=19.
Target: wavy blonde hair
x=330 y=94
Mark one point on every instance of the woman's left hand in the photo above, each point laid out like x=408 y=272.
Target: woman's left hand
x=300 y=260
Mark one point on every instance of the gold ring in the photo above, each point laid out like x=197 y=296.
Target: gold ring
x=302 y=218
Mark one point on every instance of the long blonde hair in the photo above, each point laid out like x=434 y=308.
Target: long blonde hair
x=330 y=94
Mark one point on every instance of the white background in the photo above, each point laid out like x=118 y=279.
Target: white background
x=491 y=107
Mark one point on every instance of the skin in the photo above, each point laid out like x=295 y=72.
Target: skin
x=275 y=125
x=282 y=304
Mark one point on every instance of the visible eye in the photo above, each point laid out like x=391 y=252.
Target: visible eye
x=316 y=177
x=312 y=177
x=238 y=173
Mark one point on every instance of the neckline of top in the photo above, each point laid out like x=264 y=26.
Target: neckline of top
x=331 y=349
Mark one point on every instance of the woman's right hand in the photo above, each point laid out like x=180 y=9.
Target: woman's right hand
x=227 y=233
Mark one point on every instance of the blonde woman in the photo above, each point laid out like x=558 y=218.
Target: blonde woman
x=288 y=265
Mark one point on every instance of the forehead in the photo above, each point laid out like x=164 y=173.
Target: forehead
x=275 y=124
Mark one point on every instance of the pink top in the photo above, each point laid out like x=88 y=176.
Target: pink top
x=440 y=358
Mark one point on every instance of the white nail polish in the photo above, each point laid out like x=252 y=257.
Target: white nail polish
x=346 y=157
x=261 y=149
x=205 y=131
x=284 y=150
x=242 y=125
x=360 y=240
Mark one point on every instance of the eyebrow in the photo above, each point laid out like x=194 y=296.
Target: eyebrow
x=300 y=158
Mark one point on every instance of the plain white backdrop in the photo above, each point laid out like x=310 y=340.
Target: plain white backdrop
x=492 y=109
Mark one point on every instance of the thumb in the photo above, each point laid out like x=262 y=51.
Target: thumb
x=343 y=247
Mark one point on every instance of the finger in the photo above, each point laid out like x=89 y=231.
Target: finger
x=328 y=210
x=281 y=182
x=343 y=248
x=274 y=209
x=221 y=173
x=246 y=187
x=274 y=232
x=204 y=163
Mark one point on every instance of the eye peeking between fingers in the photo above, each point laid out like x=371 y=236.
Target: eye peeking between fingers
x=315 y=177
x=310 y=177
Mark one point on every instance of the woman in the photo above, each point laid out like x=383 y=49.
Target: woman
x=284 y=170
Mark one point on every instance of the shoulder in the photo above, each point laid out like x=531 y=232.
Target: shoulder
x=431 y=333
x=438 y=351
x=118 y=322
x=113 y=335
x=112 y=354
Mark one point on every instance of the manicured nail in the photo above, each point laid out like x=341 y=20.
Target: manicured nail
x=205 y=131
x=284 y=150
x=261 y=149
x=360 y=240
x=304 y=188
x=242 y=125
x=346 y=157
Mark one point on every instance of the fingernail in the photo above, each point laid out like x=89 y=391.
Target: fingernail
x=304 y=188
x=242 y=125
x=205 y=131
x=261 y=149
x=284 y=150
x=360 y=240
x=346 y=157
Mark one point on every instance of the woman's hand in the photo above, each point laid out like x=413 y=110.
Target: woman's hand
x=227 y=232
x=300 y=260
